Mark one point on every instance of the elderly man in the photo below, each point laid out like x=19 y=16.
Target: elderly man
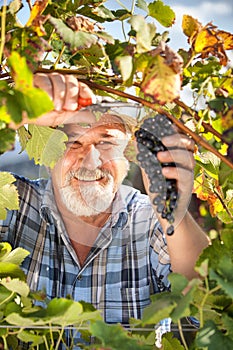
x=90 y=236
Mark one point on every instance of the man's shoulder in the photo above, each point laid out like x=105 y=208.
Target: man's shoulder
x=25 y=184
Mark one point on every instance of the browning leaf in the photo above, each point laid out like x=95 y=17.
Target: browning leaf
x=160 y=81
x=36 y=20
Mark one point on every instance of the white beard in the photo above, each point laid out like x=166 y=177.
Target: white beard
x=92 y=199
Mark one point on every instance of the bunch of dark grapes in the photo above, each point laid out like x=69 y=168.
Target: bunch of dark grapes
x=149 y=143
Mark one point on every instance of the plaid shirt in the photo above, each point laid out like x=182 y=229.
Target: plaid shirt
x=128 y=262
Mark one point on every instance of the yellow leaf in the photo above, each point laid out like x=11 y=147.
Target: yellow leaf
x=161 y=82
x=227 y=39
x=204 y=39
x=190 y=25
x=35 y=18
x=215 y=205
x=227 y=119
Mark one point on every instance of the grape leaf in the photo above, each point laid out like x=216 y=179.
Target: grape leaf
x=8 y=194
x=125 y=64
x=15 y=285
x=76 y=40
x=4 y=116
x=115 y=337
x=24 y=98
x=161 y=307
x=142 y=4
x=169 y=342
x=145 y=33
x=21 y=74
x=15 y=256
x=160 y=81
x=11 y=270
x=46 y=145
x=190 y=25
x=27 y=336
x=7 y=137
x=163 y=13
x=212 y=338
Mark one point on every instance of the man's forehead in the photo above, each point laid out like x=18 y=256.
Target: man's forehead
x=107 y=123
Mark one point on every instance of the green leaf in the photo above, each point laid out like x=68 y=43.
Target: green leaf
x=24 y=99
x=29 y=337
x=115 y=337
x=5 y=295
x=24 y=136
x=212 y=338
x=7 y=137
x=15 y=256
x=65 y=312
x=5 y=249
x=125 y=64
x=23 y=77
x=142 y=4
x=161 y=307
x=8 y=194
x=210 y=162
x=178 y=282
x=4 y=115
x=145 y=33
x=169 y=342
x=162 y=13
x=225 y=175
x=104 y=13
x=11 y=270
x=184 y=303
x=76 y=40
x=223 y=274
x=221 y=104
x=46 y=145
x=15 y=285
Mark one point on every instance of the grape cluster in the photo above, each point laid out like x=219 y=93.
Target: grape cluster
x=149 y=143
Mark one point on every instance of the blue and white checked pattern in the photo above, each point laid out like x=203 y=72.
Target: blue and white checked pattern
x=128 y=263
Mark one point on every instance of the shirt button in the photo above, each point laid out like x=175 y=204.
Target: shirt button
x=79 y=277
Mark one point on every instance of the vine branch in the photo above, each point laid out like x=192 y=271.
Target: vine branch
x=199 y=140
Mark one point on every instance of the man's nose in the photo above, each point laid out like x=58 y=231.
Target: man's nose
x=91 y=158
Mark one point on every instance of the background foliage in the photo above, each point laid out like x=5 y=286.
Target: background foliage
x=69 y=36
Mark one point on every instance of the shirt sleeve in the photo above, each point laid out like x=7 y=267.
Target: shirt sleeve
x=159 y=259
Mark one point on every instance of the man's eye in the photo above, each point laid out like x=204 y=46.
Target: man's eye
x=73 y=145
x=105 y=144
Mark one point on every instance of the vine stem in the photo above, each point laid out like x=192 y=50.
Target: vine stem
x=8 y=298
x=199 y=140
x=182 y=334
x=3 y=29
x=206 y=126
x=208 y=293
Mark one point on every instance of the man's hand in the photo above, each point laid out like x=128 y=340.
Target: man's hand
x=67 y=94
x=180 y=151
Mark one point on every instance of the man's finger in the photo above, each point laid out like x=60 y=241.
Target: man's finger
x=179 y=141
x=181 y=157
x=59 y=90
x=43 y=82
x=72 y=92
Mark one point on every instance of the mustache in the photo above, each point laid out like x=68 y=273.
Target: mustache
x=84 y=174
